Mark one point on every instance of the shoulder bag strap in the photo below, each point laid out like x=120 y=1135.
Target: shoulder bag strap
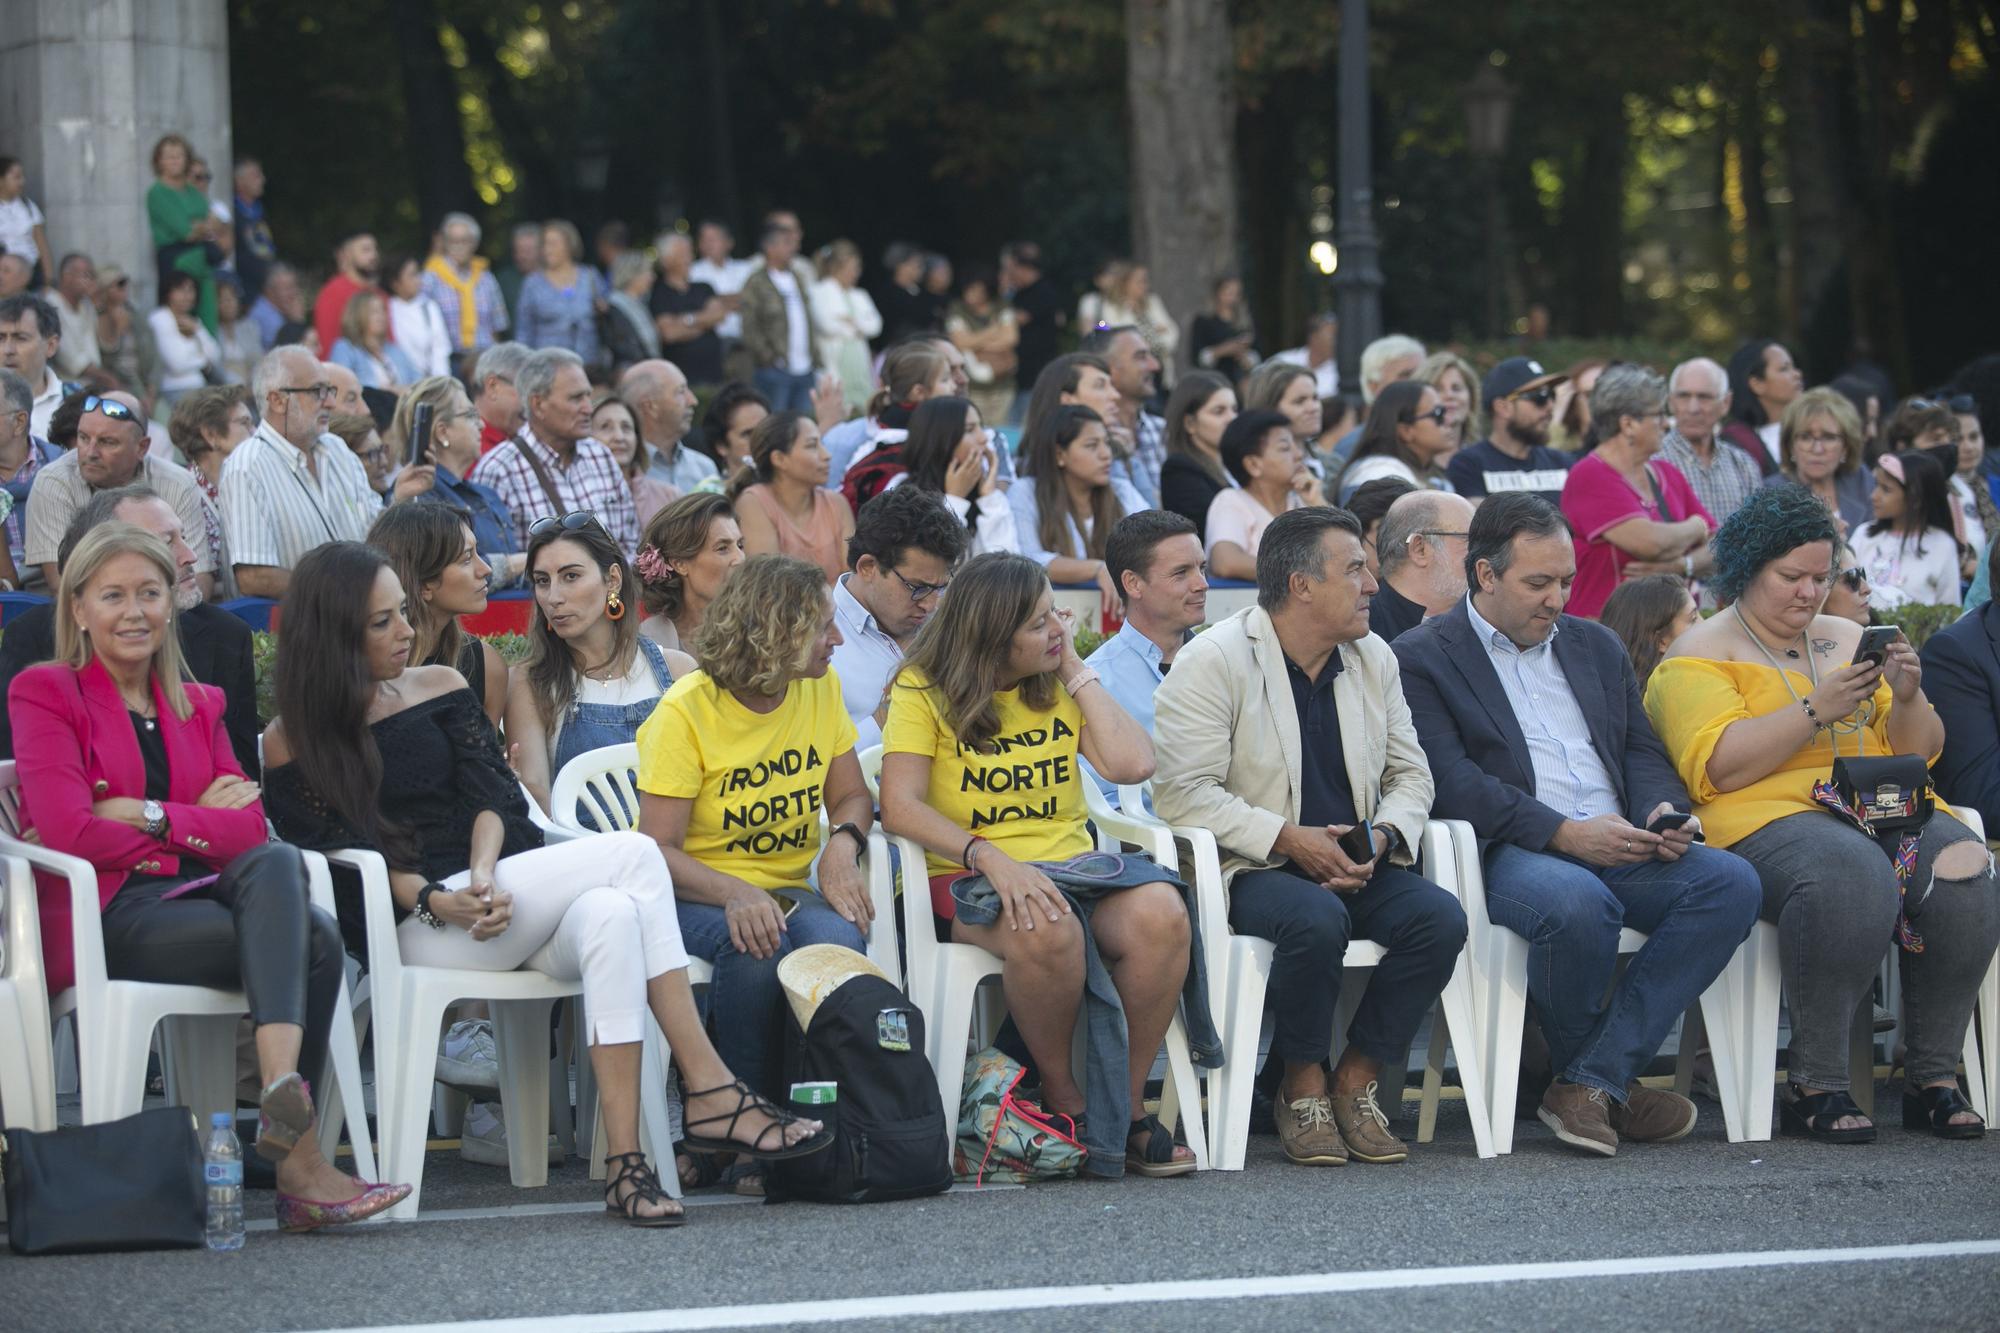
x=541 y=474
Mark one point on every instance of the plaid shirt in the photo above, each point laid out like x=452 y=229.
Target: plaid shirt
x=1721 y=485
x=590 y=481
x=1149 y=453
x=489 y=309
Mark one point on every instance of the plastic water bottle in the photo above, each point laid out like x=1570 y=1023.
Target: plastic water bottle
x=223 y=1170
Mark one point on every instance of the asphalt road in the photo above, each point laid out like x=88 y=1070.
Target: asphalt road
x=1443 y=1208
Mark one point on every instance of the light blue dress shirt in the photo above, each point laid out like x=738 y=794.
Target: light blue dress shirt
x=1128 y=665
x=1570 y=776
x=866 y=661
x=1028 y=518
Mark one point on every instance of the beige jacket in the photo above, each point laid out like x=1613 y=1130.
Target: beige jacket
x=1227 y=735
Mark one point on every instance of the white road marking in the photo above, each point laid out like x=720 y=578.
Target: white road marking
x=939 y=1304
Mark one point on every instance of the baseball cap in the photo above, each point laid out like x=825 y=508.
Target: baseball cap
x=1515 y=374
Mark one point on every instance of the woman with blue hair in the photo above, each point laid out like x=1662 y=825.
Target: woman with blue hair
x=1754 y=706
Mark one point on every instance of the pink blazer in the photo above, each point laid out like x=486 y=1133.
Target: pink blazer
x=73 y=746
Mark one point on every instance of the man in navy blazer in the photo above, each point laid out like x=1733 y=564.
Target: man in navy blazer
x=1962 y=681
x=1533 y=726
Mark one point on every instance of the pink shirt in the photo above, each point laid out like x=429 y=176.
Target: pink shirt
x=1596 y=499
x=1236 y=516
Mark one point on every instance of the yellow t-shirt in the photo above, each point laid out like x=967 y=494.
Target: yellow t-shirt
x=756 y=779
x=1026 y=798
x=1693 y=700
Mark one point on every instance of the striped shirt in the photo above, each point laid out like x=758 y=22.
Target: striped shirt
x=275 y=509
x=590 y=480
x=1570 y=776
x=60 y=493
x=1149 y=455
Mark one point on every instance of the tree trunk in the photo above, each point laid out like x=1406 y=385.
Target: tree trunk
x=1811 y=61
x=430 y=100
x=715 y=76
x=542 y=194
x=1181 y=96
x=1594 y=219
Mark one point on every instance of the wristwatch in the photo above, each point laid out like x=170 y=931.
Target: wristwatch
x=853 y=829
x=155 y=816
x=423 y=912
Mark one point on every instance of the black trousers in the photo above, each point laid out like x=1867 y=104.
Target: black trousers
x=255 y=928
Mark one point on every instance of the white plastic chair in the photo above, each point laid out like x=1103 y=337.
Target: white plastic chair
x=27 y=1061
x=944 y=977
x=115 y=1020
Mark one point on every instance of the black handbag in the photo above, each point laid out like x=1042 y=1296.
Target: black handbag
x=1892 y=793
x=131 y=1184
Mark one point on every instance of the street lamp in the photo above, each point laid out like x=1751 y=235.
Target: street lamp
x=1489 y=106
x=1357 y=283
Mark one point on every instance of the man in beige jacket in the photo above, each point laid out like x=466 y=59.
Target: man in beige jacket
x=1282 y=729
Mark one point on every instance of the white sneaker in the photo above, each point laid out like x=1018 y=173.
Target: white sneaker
x=483 y=1138
x=466 y=1058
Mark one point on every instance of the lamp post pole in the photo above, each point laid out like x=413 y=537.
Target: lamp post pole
x=1357 y=283
x=1489 y=104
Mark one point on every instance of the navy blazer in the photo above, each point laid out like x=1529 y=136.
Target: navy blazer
x=1962 y=681
x=1479 y=758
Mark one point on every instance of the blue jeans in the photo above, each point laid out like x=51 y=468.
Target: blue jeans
x=744 y=1006
x=787 y=392
x=1695 y=912
x=1421 y=926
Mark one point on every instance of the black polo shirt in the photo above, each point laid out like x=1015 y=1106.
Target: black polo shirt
x=1390 y=613
x=1324 y=794
x=700 y=359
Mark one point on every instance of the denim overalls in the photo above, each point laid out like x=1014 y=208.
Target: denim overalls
x=594 y=726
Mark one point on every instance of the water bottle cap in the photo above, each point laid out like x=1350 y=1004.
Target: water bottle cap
x=222 y=1120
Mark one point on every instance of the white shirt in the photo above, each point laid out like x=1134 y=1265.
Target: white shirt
x=1768 y=433
x=18 y=219
x=1968 y=503
x=1901 y=574
x=182 y=355
x=727 y=278
x=1326 y=375
x=275 y=511
x=418 y=328
x=993 y=530
x=79 y=336
x=798 y=333
x=47 y=399
x=865 y=661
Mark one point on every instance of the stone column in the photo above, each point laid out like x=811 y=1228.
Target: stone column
x=86 y=88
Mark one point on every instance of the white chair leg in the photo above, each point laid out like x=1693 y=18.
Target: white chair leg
x=1458 y=1018
x=1433 y=1092
x=1506 y=1018
x=113 y=1073
x=521 y=1036
x=1982 y=1046
x=1183 y=1092
x=949 y=1021
x=586 y=1129
x=405 y=1071
x=202 y=1051
x=1229 y=1088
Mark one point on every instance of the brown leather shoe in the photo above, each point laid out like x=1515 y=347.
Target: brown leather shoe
x=1307 y=1134
x=1652 y=1115
x=1366 y=1129
x=1580 y=1116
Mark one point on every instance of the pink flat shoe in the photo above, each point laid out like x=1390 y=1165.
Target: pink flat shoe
x=295 y=1214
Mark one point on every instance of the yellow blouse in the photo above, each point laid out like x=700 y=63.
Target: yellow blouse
x=1693 y=700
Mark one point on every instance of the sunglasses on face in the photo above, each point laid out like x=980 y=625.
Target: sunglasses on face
x=110 y=407
x=574 y=521
x=1436 y=414
x=1541 y=397
x=1853 y=577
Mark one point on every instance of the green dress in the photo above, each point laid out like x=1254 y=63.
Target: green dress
x=172 y=212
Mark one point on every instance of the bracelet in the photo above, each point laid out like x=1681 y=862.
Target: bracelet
x=1082 y=678
x=972 y=843
x=854 y=830
x=423 y=912
x=1812 y=713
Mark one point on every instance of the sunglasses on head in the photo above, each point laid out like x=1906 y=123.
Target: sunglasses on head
x=574 y=521
x=110 y=407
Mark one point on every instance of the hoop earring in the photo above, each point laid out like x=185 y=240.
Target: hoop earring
x=614 y=607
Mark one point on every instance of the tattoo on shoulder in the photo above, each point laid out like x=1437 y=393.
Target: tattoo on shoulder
x=1824 y=647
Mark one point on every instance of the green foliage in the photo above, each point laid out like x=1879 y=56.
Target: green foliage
x=1087 y=641
x=513 y=648
x=1918 y=623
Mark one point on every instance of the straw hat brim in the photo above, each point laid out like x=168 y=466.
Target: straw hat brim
x=811 y=974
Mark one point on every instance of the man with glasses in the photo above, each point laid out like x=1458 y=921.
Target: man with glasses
x=291 y=486
x=1516 y=456
x=110 y=452
x=899 y=562
x=1722 y=476
x=1421 y=554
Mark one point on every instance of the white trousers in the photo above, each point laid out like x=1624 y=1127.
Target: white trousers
x=599 y=909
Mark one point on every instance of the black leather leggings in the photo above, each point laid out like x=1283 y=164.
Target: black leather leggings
x=255 y=928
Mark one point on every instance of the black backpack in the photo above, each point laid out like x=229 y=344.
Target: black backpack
x=890 y=1136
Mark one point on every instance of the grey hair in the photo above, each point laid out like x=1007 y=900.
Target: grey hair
x=278 y=269
x=1380 y=353
x=450 y=220
x=670 y=237
x=1625 y=391
x=538 y=373
x=99 y=509
x=525 y=229
x=1291 y=545
x=20 y=398
x=502 y=359
x=1410 y=515
x=1498 y=521
x=269 y=376
x=627 y=267
x=1716 y=372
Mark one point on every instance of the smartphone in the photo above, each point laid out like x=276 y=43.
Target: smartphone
x=1875 y=641
x=1358 y=843
x=423 y=418
x=1670 y=820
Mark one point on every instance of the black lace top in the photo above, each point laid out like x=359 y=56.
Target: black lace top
x=441 y=767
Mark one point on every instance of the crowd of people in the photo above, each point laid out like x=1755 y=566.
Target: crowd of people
x=768 y=522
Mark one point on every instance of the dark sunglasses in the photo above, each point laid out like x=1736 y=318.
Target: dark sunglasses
x=1854 y=576
x=1435 y=414
x=574 y=521
x=1541 y=397
x=110 y=407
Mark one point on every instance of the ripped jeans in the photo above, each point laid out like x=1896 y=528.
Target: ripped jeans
x=1832 y=892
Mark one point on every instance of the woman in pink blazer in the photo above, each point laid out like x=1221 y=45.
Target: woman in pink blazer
x=125 y=763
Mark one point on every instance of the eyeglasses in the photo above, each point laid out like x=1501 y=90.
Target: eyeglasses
x=1819 y=440
x=1541 y=397
x=1436 y=532
x=1854 y=576
x=574 y=521
x=1436 y=414
x=110 y=407
x=324 y=392
x=920 y=592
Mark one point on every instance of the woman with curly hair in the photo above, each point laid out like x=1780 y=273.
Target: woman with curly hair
x=735 y=766
x=986 y=722
x=685 y=556
x=1754 y=705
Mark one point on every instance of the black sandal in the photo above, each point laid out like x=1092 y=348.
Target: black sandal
x=702 y=1170
x=632 y=1170
x=746 y=1100
x=1933 y=1108
x=1810 y=1115
x=1149 y=1150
